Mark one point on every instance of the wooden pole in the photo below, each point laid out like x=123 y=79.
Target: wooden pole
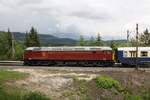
x=128 y=37
x=137 y=33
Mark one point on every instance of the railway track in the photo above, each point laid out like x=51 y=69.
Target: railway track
x=11 y=63
x=19 y=64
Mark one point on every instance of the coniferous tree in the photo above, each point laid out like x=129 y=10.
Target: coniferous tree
x=9 y=43
x=81 y=41
x=9 y=39
x=32 y=39
x=113 y=45
x=26 y=43
x=91 y=42
x=99 y=41
x=145 y=38
x=9 y=48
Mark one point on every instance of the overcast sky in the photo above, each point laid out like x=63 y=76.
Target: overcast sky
x=111 y=18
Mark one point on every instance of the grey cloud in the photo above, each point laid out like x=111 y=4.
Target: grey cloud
x=85 y=16
x=71 y=31
x=26 y=2
x=46 y=11
x=91 y=15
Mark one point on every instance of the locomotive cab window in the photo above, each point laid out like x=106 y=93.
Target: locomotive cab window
x=144 y=53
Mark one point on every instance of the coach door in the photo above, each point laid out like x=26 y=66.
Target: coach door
x=132 y=57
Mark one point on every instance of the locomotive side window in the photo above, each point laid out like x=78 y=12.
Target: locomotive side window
x=108 y=52
x=144 y=53
x=94 y=52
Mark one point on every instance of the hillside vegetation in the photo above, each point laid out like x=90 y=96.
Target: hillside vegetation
x=9 y=92
x=47 y=39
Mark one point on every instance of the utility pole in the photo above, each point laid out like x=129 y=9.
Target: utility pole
x=137 y=44
x=128 y=37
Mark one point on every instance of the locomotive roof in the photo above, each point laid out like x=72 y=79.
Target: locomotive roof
x=134 y=49
x=76 y=48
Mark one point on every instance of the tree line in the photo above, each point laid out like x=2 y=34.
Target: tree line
x=11 y=49
x=98 y=41
x=144 y=39
x=92 y=41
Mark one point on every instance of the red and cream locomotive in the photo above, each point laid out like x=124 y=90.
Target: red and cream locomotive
x=83 y=56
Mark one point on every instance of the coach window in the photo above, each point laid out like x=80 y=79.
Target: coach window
x=132 y=53
x=125 y=54
x=144 y=53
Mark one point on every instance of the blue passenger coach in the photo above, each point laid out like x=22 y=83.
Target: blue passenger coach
x=127 y=55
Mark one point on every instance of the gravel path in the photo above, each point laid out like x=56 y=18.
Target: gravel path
x=77 y=69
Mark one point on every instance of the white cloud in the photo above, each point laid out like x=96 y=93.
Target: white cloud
x=109 y=17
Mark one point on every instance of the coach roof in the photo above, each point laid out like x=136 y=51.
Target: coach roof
x=134 y=49
x=75 y=48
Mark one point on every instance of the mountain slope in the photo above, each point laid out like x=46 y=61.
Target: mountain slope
x=48 y=39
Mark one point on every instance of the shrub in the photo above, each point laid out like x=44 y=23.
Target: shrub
x=106 y=82
x=35 y=96
x=132 y=97
x=146 y=95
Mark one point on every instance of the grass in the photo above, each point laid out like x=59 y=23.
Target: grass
x=131 y=97
x=14 y=93
x=35 y=96
x=146 y=95
x=79 y=92
x=6 y=75
x=21 y=96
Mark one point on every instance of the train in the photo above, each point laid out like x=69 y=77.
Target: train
x=85 y=56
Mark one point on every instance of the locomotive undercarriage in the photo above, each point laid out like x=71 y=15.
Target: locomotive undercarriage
x=96 y=63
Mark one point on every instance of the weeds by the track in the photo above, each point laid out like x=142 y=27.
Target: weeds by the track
x=6 y=75
x=8 y=92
